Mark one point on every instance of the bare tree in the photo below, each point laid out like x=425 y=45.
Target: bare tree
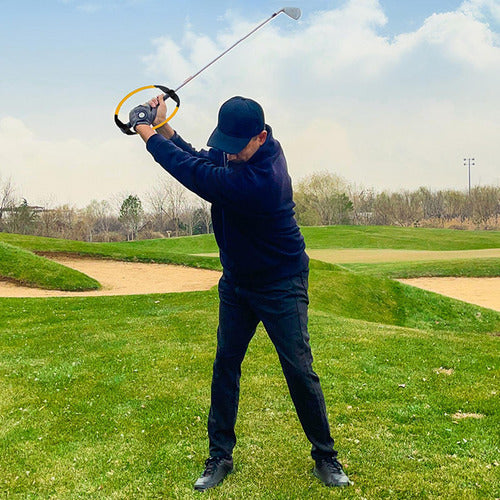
x=99 y=215
x=188 y=219
x=205 y=215
x=6 y=196
x=485 y=202
x=362 y=204
x=454 y=205
x=168 y=200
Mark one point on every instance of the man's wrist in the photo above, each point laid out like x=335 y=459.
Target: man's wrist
x=145 y=131
x=166 y=131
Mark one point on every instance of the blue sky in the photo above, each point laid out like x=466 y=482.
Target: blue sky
x=91 y=48
x=393 y=87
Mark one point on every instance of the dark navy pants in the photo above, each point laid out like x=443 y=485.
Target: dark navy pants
x=282 y=308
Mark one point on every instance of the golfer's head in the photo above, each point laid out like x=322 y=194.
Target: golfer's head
x=240 y=128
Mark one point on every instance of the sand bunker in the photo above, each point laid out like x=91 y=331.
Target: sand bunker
x=124 y=278
x=480 y=291
x=130 y=278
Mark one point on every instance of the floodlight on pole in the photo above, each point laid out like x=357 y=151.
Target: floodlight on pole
x=468 y=162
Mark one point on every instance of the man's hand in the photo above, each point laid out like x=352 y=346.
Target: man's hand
x=161 y=109
x=142 y=115
x=158 y=104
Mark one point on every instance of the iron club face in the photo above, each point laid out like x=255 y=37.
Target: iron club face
x=292 y=12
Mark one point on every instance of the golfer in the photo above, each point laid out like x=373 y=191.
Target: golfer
x=265 y=269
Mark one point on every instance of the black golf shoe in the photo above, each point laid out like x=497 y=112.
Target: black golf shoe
x=330 y=472
x=216 y=469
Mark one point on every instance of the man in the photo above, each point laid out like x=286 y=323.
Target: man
x=265 y=269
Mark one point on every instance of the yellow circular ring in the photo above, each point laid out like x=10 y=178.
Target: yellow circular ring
x=130 y=94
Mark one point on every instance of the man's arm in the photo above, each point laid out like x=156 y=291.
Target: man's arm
x=201 y=172
x=239 y=187
x=145 y=131
x=168 y=132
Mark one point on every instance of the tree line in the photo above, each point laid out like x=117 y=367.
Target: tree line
x=166 y=210
x=327 y=199
x=321 y=199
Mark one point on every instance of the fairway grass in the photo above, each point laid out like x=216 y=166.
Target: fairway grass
x=398 y=238
x=328 y=237
x=108 y=398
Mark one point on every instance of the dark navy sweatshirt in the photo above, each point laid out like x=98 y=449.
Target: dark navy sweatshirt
x=252 y=207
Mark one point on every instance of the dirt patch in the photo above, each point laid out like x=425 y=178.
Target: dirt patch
x=124 y=278
x=460 y=415
x=444 y=371
x=483 y=292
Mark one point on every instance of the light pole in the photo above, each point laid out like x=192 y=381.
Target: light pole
x=468 y=162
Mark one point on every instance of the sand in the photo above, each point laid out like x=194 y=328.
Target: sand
x=480 y=291
x=129 y=278
x=124 y=278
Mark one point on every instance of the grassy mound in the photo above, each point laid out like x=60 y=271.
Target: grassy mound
x=166 y=251
x=335 y=290
x=26 y=268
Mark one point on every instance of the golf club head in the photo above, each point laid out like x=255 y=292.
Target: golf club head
x=292 y=12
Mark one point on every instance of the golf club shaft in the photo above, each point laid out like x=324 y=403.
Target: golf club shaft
x=227 y=50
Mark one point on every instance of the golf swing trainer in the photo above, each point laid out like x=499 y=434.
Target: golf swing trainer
x=244 y=175
x=292 y=12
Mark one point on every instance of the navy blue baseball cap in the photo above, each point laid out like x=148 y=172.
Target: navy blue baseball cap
x=240 y=119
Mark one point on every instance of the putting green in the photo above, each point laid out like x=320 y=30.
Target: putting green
x=352 y=255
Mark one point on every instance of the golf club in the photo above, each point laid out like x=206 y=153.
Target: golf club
x=292 y=12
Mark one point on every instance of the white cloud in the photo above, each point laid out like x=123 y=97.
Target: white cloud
x=388 y=113
x=72 y=171
x=482 y=9
x=342 y=96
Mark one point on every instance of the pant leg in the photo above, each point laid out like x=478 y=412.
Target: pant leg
x=237 y=324
x=282 y=308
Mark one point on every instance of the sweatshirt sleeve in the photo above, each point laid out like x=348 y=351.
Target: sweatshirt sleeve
x=239 y=187
x=185 y=146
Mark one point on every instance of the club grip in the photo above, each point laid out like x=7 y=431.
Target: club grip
x=169 y=93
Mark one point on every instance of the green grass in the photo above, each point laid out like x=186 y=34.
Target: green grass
x=107 y=397
x=162 y=251
x=337 y=291
x=399 y=238
x=481 y=267
x=316 y=237
x=26 y=268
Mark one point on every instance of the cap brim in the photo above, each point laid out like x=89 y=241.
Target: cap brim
x=227 y=143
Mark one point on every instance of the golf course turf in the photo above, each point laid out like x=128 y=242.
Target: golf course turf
x=107 y=397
